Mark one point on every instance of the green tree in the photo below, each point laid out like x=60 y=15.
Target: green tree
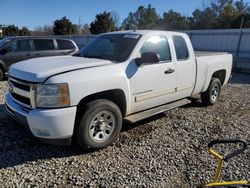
x=173 y=21
x=242 y=7
x=206 y=19
x=64 y=26
x=24 y=32
x=10 y=30
x=242 y=21
x=227 y=14
x=143 y=18
x=242 y=15
x=222 y=14
x=129 y=22
x=103 y=23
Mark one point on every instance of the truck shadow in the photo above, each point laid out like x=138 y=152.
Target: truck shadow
x=17 y=146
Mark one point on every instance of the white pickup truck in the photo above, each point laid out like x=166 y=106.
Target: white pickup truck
x=119 y=76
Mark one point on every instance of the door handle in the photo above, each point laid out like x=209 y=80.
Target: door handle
x=27 y=54
x=37 y=53
x=169 y=71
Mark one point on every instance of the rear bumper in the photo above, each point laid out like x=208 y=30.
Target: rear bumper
x=54 y=126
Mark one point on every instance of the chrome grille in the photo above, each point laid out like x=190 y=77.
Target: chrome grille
x=22 y=92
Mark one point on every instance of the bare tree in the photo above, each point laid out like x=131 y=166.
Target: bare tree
x=85 y=30
x=116 y=19
x=43 y=30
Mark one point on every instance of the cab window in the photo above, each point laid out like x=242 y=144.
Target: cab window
x=44 y=44
x=20 y=45
x=181 y=48
x=159 y=45
x=65 y=44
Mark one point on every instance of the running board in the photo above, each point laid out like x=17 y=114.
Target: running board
x=157 y=110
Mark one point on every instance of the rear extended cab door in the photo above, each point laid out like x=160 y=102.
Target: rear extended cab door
x=185 y=65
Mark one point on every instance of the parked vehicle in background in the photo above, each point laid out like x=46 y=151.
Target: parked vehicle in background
x=118 y=76
x=14 y=49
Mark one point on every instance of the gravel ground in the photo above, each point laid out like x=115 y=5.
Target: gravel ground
x=168 y=150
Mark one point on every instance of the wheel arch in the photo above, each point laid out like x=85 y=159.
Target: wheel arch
x=115 y=95
x=221 y=75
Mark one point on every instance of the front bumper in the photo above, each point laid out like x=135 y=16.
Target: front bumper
x=53 y=126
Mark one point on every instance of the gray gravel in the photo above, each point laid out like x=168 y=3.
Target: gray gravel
x=168 y=150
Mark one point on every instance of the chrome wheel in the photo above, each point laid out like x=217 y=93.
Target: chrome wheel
x=215 y=92
x=102 y=126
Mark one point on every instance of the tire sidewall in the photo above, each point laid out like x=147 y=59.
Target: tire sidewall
x=94 y=108
x=214 y=82
x=1 y=74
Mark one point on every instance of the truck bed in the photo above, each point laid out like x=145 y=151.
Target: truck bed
x=207 y=53
x=207 y=63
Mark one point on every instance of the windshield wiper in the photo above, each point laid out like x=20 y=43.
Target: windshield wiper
x=78 y=55
x=95 y=56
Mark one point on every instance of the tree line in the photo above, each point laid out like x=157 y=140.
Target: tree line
x=220 y=14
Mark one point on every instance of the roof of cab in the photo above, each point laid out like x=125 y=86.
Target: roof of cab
x=141 y=32
x=34 y=37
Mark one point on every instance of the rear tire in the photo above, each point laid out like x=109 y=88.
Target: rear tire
x=212 y=94
x=1 y=74
x=100 y=124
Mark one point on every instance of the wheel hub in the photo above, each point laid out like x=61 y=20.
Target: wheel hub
x=215 y=92
x=102 y=126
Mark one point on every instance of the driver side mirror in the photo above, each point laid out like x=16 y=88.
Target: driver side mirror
x=148 y=58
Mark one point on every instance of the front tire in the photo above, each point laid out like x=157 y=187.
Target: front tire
x=1 y=74
x=100 y=125
x=212 y=94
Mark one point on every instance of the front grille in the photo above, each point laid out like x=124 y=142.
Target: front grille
x=20 y=86
x=22 y=92
x=20 y=98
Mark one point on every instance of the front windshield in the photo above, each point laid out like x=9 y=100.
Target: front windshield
x=4 y=41
x=113 y=47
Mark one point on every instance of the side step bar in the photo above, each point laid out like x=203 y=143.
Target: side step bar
x=157 y=110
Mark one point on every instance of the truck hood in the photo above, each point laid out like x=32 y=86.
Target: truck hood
x=38 y=69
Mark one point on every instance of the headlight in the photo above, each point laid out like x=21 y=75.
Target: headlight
x=52 y=96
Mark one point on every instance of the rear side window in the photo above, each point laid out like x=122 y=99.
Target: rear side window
x=44 y=44
x=65 y=45
x=180 y=48
x=159 y=45
x=21 y=45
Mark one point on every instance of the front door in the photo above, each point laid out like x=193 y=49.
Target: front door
x=153 y=84
x=20 y=50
